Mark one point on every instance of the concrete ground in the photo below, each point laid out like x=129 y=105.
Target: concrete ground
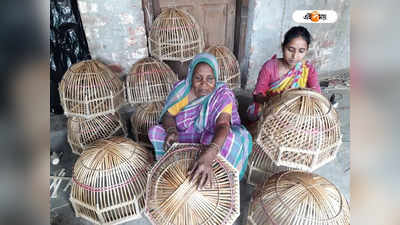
x=337 y=171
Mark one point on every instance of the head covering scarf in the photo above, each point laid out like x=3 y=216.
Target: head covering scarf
x=182 y=89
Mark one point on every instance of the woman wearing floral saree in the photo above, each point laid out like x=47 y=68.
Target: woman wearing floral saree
x=202 y=110
x=291 y=71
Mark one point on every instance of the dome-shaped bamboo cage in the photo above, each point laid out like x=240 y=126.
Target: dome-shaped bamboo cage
x=175 y=35
x=172 y=199
x=146 y=116
x=89 y=89
x=229 y=70
x=297 y=198
x=260 y=167
x=149 y=80
x=82 y=132
x=300 y=130
x=109 y=181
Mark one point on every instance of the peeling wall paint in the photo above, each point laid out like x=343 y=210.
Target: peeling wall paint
x=268 y=20
x=115 y=32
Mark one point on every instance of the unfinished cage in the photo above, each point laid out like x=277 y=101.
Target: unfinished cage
x=146 y=116
x=109 y=180
x=300 y=130
x=297 y=198
x=82 y=132
x=175 y=35
x=149 y=80
x=89 y=89
x=173 y=199
x=260 y=167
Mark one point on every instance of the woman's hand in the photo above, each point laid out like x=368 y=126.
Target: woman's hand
x=170 y=139
x=169 y=124
x=202 y=168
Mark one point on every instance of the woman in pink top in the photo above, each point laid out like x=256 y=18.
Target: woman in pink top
x=291 y=71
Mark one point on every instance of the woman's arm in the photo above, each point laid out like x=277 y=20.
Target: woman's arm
x=169 y=125
x=312 y=81
x=202 y=168
x=262 y=85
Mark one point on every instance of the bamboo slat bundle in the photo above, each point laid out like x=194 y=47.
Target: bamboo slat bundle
x=175 y=35
x=298 y=198
x=89 y=89
x=300 y=130
x=172 y=199
x=109 y=181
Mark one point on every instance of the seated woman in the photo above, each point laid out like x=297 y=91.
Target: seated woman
x=202 y=110
x=291 y=71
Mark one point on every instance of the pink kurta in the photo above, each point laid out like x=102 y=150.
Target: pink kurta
x=269 y=73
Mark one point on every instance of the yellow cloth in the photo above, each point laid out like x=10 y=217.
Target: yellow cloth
x=175 y=109
x=228 y=109
x=304 y=77
x=286 y=83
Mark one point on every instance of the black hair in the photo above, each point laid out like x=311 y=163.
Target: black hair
x=294 y=32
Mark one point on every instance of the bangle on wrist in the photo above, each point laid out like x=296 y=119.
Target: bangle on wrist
x=171 y=130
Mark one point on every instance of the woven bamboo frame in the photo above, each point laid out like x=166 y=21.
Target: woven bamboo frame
x=82 y=132
x=109 y=180
x=146 y=116
x=300 y=129
x=298 y=198
x=89 y=89
x=175 y=35
x=172 y=199
x=260 y=167
x=229 y=70
x=149 y=80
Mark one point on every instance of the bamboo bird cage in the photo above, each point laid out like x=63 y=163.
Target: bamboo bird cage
x=149 y=80
x=172 y=199
x=297 y=198
x=229 y=70
x=109 y=181
x=82 y=132
x=300 y=130
x=175 y=35
x=260 y=167
x=146 y=116
x=89 y=89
